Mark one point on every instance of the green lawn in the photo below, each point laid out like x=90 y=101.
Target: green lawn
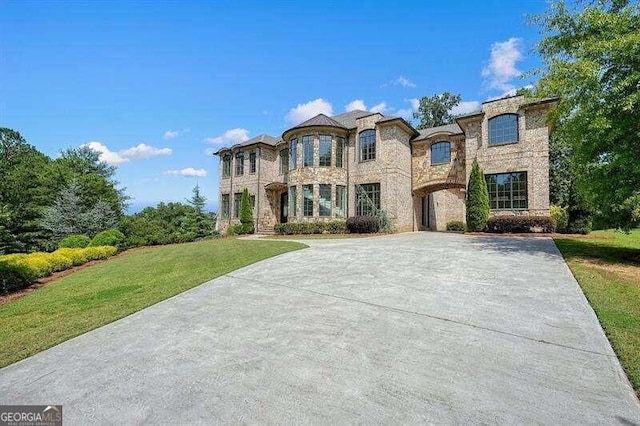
x=607 y=266
x=105 y=292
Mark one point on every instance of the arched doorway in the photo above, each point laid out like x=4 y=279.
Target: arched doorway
x=439 y=204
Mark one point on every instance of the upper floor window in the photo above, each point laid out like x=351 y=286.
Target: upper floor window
x=226 y=165
x=240 y=163
x=325 y=150
x=284 y=161
x=340 y=152
x=252 y=162
x=367 y=199
x=441 y=153
x=507 y=190
x=307 y=151
x=503 y=129
x=367 y=145
x=293 y=154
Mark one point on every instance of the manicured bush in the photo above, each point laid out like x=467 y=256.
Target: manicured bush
x=337 y=226
x=14 y=277
x=246 y=213
x=307 y=228
x=363 y=224
x=561 y=215
x=110 y=237
x=100 y=252
x=76 y=255
x=477 y=200
x=455 y=225
x=75 y=241
x=59 y=262
x=521 y=224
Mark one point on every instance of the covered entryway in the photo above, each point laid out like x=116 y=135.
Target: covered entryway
x=439 y=204
x=277 y=196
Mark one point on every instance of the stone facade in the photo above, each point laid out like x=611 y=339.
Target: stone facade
x=416 y=191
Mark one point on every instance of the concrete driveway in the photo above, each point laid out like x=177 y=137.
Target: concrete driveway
x=410 y=328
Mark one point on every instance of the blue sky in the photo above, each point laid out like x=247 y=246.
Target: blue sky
x=157 y=85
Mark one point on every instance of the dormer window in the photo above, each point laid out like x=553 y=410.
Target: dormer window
x=503 y=129
x=441 y=153
x=367 y=145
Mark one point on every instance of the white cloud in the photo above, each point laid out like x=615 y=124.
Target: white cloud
x=230 y=137
x=188 y=172
x=106 y=155
x=143 y=151
x=354 y=105
x=407 y=113
x=381 y=107
x=465 y=107
x=172 y=134
x=502 y=65
x=139 y=152
x=305 y=111
x=400 y=81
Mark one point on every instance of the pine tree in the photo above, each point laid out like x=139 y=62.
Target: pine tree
x=477 y=200
x=246 y=212
x=197 y=201
x=66 y=217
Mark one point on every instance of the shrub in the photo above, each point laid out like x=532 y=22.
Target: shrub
x=477 y=200
x=246 y=213
x=523 y=224
x=100 y=252
x=59 y=262
x=306 y=228
x=75 y=241
x=363 y=224
x=337 y=226
x=455 y=225
x=561 y=215
x=110 y=237
x=14 y=276
x=76 y=255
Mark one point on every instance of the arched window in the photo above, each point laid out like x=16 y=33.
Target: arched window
x=367 y=145
x=441 y=153
x=503 y=129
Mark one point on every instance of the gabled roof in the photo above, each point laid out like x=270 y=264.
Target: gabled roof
x=451 y=129
x=263 y=138
x=348 y=119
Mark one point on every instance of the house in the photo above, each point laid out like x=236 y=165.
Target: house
x=329 y=168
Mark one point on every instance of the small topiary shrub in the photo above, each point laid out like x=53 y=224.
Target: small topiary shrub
x=14 y=277
x=75 y=241
x=477 y=200
x=110 y=237
x=521 y=224
x=455 y=225
x=363 y=224
x=561 y=215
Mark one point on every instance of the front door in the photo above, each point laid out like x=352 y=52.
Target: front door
x=284 y=207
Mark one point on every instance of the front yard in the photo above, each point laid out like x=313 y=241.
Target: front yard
x=103 y=293
x=607 y=266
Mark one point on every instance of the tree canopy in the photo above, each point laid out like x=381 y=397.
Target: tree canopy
x=436 y=110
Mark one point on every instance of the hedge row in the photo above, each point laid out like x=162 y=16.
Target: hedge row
x=240 y=229
x=110 y=237
x=20 y=270
x=363 y=224
x=456 y=225
x=522 y=224
x=292 y=228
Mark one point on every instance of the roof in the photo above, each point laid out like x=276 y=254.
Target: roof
x=348 y=119
x=319 y=120
x=263 y=138
x=452 y=129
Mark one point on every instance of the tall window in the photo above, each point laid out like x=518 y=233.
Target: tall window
x=367 y=199
x=252 y=198
x=441 y=153
x=237 y=200
x=325 y=150
x=503 y=129
x=367 y=145
x=324 y=200
x=507 y=190
x=340 y=200
x=284 y=161
x=307 y=200
x=293 y=201
x=224 y=206
x=293 y=154
x=307 y=151
x=226 y=166
x=340 y=152
x=239 y=163
x=252 y=162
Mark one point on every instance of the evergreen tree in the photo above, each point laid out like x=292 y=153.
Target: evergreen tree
x=66 y=217
x=100 y=218
x=246 y=212
x=197 y=200
x=477 y=200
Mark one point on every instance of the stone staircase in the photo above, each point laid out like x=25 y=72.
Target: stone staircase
x=267 y=230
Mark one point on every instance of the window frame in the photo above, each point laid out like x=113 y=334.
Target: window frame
x=495 y=191
x=237 y=203
x=367 y=153
x=293 y=201
x=493 y=121
x=226 y=165
x=373 y=191
x=252 y=162
x=284 y=161
x=225 y=206
x=322 y=140
x=436 y=145
x=239 y=166
x=306 y=200
x=340 y=152
x=341 y=198
x=328 y=191
x=293 y=154
x=307 y=148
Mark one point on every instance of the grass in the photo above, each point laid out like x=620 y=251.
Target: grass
x=606 y=264
x=105 y=292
